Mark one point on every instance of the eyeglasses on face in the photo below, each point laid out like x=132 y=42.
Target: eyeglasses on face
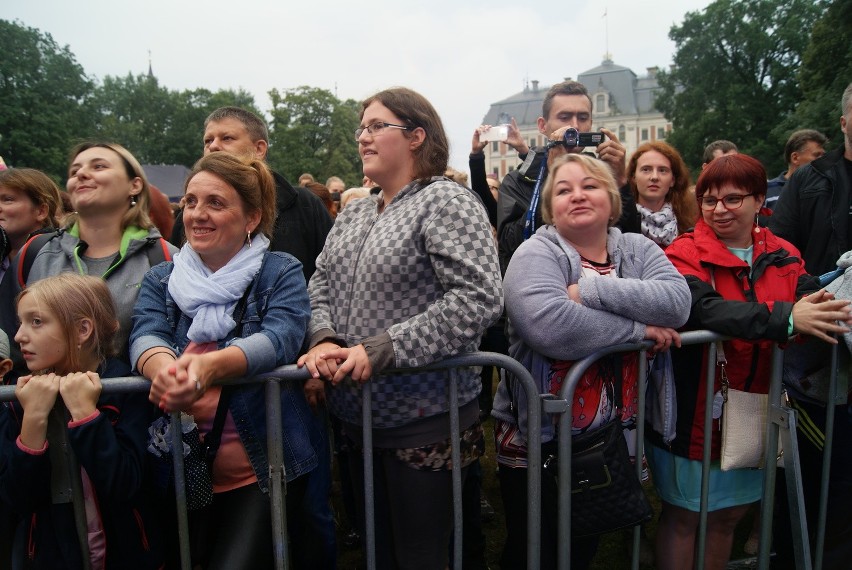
x=729 y=202
x=378 y=128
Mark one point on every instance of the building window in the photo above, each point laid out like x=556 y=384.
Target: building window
x=495 y=170
x=661 y=133
x=600 y=103
x=495 y=147
x=622 y=133
x=532 y=142
x=644 y=134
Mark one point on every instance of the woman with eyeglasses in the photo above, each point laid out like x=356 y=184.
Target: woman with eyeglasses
x=406 y=278
x=751 y=285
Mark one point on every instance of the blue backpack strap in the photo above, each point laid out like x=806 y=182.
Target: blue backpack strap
x=827 y=278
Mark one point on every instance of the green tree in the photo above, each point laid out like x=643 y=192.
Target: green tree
x=43 y=91
x=136 y=112
x=826 y=71
x=157 y=125
x=734 y=75
x=312 y=131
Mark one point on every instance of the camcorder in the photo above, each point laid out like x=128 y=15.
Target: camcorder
x=574 y=138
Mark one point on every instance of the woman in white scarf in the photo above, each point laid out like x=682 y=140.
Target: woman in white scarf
x=660 y=182
x=226 y=308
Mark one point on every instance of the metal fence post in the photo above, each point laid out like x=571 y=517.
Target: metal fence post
x=277 y=473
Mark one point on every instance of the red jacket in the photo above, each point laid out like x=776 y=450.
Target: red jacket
x=752 y=305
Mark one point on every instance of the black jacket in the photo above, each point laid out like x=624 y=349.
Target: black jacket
x=813 y=212
x=479 y=185
x=300 y=228
x=516 y=192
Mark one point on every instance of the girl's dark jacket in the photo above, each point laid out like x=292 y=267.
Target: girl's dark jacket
x=111 y=447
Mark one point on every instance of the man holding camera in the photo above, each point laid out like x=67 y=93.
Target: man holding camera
x=567 y=105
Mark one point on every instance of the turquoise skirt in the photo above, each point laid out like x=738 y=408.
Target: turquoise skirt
x=678 y=482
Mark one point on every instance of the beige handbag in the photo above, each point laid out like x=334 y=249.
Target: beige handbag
x=743 y=423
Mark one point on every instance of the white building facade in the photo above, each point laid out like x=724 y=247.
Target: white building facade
x=621 y=102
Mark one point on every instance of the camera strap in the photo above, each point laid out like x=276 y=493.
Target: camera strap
x=529 y=223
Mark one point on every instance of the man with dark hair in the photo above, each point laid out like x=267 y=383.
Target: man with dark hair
x=803 y=147
x=716 y=149
x=566 y=105
x=814 y=213
x=303 y=222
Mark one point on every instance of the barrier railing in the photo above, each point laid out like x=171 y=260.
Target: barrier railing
x=779 y=416
x=277 y=475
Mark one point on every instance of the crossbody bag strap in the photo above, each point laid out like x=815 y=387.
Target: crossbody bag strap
x=214 y=437
x=721 y=360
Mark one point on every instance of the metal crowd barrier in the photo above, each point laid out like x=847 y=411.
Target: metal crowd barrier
x=779 y=416
x=277 y=478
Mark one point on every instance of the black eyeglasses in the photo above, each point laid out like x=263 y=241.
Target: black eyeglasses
x=378 y=127
x=729 y=202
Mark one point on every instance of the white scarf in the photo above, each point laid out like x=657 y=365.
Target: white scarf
x=660 y=227
x=209 y=297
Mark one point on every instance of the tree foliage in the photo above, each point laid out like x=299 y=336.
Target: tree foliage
x=157 y=125
x=735 y=75
x=312 y=131
x=826 y=71
x=43 y=91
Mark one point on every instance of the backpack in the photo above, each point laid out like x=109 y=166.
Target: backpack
x=29 y=251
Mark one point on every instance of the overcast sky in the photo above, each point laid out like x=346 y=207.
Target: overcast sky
x=462 y=55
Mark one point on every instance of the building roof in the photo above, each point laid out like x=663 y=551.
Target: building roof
x=628 y=94
x=168 y=178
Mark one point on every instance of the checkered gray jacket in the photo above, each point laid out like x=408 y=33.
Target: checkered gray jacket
x=425 y=272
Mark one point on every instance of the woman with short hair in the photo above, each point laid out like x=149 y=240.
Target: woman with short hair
x=751 y=285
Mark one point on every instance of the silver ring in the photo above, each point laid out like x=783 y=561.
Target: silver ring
x=197 y=385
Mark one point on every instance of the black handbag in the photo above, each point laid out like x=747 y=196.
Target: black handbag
x=606 y=494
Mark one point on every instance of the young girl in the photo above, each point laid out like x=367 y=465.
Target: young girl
x=67 y=326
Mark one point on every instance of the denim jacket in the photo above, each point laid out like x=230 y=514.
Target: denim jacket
x=274 y=327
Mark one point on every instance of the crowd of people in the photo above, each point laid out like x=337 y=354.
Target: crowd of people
x=575 y=250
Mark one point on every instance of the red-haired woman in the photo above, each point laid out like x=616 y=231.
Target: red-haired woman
x=660 y=183
x=749 y=284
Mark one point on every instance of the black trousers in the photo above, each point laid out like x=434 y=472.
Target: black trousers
x=838 y=531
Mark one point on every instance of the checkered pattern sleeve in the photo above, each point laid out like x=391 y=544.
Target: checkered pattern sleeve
x=321 y=326
x=463 y=256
